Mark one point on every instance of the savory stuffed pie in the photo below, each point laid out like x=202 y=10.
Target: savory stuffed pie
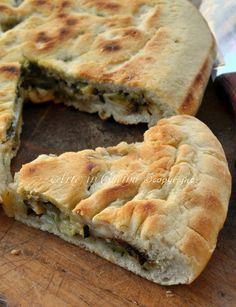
x=154 y=207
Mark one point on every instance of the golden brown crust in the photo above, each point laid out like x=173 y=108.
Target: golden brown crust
x=175 y=186
x=190 y=104
x=162 y=48
x=9 y=75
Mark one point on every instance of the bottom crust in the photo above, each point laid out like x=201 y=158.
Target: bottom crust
x=178 y=274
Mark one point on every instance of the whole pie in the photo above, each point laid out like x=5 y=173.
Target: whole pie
x=137 y=61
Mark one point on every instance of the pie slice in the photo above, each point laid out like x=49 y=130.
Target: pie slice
x=154 y=207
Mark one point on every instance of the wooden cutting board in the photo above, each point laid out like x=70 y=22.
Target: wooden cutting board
x=51 y=272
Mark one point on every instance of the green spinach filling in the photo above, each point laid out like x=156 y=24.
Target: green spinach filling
x=35 y=77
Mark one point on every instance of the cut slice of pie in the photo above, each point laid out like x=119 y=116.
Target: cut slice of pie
x=154 y=207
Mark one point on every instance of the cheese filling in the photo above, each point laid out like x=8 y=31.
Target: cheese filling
x=72 y=226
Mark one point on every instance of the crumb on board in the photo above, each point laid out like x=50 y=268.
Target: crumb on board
x=15 y=252
x=169 y=293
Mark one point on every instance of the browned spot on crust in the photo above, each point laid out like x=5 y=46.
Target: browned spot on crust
x=124 y=21
x=201 y=74
x=11 y=69
x=62 y=15
x=111 y=47
x=112 y=6
x=149 y=59
x=148 y=207
x=188 y=105
x=39 y=2
x=132 y=32
x=4 y=8
x=48 y=42
x=65 y=4
x=91 y=166
x=105 y=5
x=71 y=22
x=31 y=170
x=42 y=37
x=126 y=77
x=212 y=202
x=64 y=32
x=118 y=188
x=187 y=102
x=198 y=79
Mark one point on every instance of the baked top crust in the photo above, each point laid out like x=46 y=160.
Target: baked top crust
x=162 y=49
x=174 y=187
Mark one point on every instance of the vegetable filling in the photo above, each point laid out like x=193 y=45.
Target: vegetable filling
x=69 y=226
x=41 y=85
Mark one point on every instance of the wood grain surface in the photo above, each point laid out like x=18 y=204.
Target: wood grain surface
x=46 y=271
